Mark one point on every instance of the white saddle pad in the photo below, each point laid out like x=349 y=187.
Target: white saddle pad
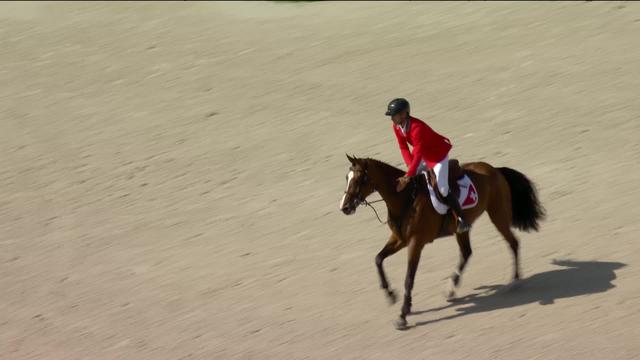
x=468 y=196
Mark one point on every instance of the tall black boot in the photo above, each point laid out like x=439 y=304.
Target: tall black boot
x=463 y=225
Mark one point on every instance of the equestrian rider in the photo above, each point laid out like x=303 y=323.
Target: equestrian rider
x=429 y=149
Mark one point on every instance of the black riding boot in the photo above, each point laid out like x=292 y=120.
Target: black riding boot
x=463 y=225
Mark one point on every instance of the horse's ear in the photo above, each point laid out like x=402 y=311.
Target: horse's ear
x=351 y=159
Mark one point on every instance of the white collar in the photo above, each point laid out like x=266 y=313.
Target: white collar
x=406 y=127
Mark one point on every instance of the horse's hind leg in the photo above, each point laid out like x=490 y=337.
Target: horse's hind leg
x=501 y=218
x=465 y=253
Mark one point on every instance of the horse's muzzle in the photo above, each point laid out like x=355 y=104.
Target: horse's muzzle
x=348 y=210
x=350 y=207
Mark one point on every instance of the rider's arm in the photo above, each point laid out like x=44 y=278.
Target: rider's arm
x=418 y=135
x=404 y=148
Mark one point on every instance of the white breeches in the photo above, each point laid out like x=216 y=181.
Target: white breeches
x=442 y=174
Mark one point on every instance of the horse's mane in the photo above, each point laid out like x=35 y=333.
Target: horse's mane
x=392 y=170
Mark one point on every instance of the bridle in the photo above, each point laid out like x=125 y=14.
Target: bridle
x=358 y=197
x=359 y=200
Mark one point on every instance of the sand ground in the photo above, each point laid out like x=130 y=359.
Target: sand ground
x=170 y=176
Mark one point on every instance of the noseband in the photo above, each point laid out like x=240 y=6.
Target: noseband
x=360 y=200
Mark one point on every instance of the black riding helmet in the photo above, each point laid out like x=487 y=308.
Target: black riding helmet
x=397 y=106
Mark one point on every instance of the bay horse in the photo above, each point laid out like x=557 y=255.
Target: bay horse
x=507 y=195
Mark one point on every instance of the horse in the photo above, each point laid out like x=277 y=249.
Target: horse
x=507 y=195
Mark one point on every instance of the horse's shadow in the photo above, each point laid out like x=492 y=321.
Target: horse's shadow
x=577 y=278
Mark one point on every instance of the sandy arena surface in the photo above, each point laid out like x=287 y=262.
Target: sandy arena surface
x=170 y=177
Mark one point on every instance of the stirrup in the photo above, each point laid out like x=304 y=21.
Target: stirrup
x=462 y=226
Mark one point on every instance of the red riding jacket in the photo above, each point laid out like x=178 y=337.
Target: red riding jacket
x=427 y=144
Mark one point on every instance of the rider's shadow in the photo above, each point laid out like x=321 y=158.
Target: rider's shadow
x=577 y=278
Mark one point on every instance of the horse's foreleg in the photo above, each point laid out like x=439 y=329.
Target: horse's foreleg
x=393 y=245
x=414 y=250
x=465 y=253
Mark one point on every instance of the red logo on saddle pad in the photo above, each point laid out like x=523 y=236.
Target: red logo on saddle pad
x=472 y=197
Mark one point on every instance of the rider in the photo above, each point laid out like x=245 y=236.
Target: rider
x=429 y=149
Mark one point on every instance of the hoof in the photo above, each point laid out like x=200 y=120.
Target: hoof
x=514 y=285
x=391 y=297
x=450 y=296
x=450 y=290
x=400 y=324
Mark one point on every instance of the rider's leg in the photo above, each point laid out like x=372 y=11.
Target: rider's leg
x=442 y=177
x=422 y=167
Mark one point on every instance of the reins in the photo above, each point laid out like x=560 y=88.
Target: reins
x=368 y=203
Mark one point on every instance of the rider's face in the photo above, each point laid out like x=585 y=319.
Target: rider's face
x=400 y=119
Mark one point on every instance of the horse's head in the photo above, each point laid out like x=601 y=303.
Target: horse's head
x=359 y=185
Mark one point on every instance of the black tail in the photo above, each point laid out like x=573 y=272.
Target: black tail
x=525 y=206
